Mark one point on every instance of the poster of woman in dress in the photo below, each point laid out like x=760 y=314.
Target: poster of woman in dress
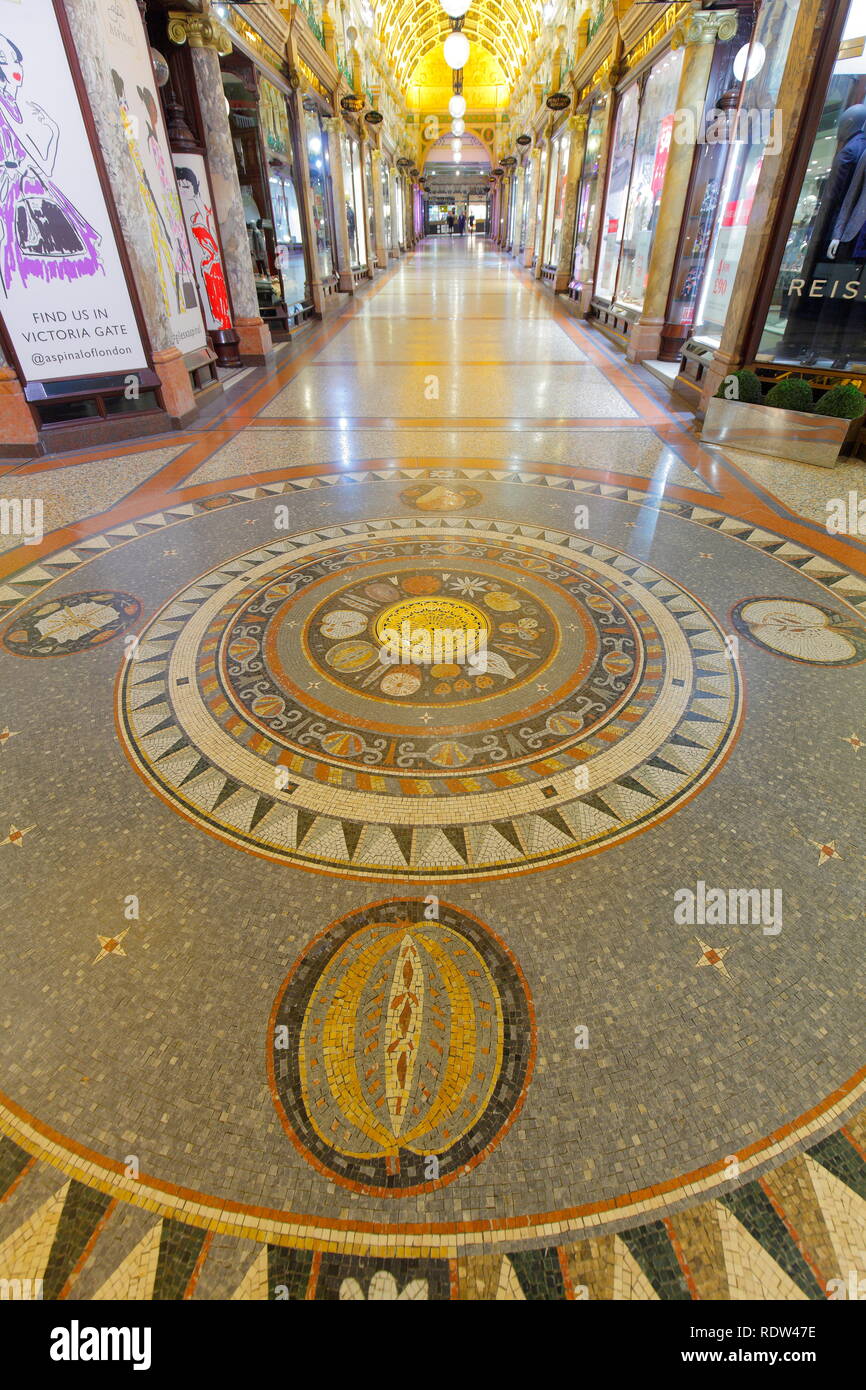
x=192 y=182
x=64 y=297
x=43 y=234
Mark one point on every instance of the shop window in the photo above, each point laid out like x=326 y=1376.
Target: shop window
x=386 y=208
x=371 y=201
x=622 y=153
x=318 y=158
x=758 y=66
x=587 y=195
x=817 y=314
x=556 y=209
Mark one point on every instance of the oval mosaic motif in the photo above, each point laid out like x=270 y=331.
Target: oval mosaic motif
x=400 y=1047
x=73 y=623
x=801 y=631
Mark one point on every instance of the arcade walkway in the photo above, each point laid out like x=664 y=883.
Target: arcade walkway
x=420 y=981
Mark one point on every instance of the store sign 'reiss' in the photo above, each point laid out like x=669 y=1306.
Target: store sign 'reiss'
x=64 y=299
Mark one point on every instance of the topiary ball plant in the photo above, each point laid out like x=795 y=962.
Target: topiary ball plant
x=846 y=402
x=741 y=386
x=791 y=393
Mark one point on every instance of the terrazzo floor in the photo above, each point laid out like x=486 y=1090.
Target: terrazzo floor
x=336 y=976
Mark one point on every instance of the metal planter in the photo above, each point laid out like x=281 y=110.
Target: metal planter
x=786 y=434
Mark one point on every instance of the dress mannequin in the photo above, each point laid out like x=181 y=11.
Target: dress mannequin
x=799 y=335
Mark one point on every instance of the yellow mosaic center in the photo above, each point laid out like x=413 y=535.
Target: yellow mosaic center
x=431 y=614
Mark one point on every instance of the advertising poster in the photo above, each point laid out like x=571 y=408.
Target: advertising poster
x=200 y=222
x=128 y=60
x=63 y=294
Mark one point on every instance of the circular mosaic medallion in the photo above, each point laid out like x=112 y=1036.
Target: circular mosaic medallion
x=75 y=623
x=401 y=1046
x=259 y=704
x=802 y=631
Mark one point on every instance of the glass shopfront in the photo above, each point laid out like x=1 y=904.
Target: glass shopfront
x=621 y=155
x=727 y=174
x=556 y=197
x=587 y=194
x=817 y=314
x=351 y=154
x=539 y=206
x=634 y=198
x=318 y=160
x=288 y=236
x=524 y=212
x=257 y=115
x=398 y=209
x=386 y=208
x=371 y=201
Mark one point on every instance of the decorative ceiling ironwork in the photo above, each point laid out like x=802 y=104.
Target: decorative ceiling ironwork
x=409 y=31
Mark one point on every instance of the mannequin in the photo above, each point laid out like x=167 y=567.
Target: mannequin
x=804 y=313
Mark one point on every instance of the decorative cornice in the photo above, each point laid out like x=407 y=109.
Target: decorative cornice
x=704 y=26
x=199 y=31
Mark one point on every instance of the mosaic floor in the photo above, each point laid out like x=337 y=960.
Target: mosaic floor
x=338 y=976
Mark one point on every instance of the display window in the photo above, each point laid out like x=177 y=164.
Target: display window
x=539 y=206
x=558 y=188
x=318 y=159
x=652 y=147
x=353 y=191
x=704 y=202
x=817 y=314
x=621 y=156
x=386 y=207
x=587 y=193
x=758 y=66
x=371 y=200
x=288 y=234
x=524 y=207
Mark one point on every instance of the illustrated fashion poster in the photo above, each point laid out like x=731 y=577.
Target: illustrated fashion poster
x=134 y=88
x=201 y=225
x=63 y=292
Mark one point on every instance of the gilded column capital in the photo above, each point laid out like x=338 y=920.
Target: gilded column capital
x=578 y=122
x=704 y=26
x=199 y=31
x=376 y=155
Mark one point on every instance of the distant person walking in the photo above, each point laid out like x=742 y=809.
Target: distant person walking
x=450 y=221
x=472 y=222
x=461 y=223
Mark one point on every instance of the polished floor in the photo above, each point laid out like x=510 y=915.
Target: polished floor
x=328 y=978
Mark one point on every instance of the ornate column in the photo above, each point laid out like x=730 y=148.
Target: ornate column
x=208 y=39
x=542 y=230
x=696 y=34
x=790 y=114
x=577 y=144
x=379 y=210
x=531 y=220
x=85 y=22
x=333 y=126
